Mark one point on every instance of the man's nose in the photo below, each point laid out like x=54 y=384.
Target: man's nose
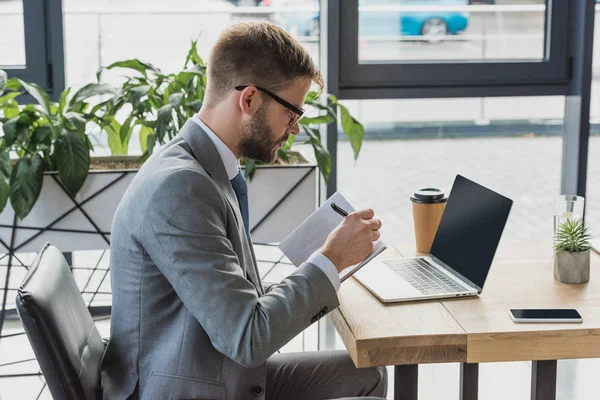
x=295 y=129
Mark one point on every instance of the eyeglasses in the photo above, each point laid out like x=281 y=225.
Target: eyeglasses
x=296 y=112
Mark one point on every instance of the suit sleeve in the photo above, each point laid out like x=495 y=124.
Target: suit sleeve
x=186 y=237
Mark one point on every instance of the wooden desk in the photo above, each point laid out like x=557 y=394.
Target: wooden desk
x=476 y=329
x=400 y=334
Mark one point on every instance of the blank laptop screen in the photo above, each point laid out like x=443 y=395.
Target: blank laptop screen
x=470 y=229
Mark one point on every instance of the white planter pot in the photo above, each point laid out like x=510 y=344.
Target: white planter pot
x=70 y=224
x=280 y=198
x=572 y=267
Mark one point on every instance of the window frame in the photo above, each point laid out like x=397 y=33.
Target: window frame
x=43 y=34
x=455 y=78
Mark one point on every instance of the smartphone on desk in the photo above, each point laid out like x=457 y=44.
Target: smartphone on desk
x=545 y=315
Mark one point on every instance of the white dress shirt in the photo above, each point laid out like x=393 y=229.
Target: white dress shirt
x=232 y=166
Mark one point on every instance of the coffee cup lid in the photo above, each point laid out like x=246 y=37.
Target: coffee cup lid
x=429 y=196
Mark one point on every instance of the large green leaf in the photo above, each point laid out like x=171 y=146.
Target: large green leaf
x=175 y=99
x=17 y=128
x=126 y=130
x=62 y=102
x=75 y=121
x=41 y=134
x=353 y=129
x=136 y=65
x=311 y=96
x=322 y=155
x=288 y=145
x=91 y=90
x=11 y=111
x=8 y=97
x=193 y=55
x=164 y=118
x=4 y=193
x=323 y=107
x=26 y=184
x=145 y=134
x=137 y=93
x=113 y=129
x=186 y=76
x=117 y=148
x=193 y=105
x=73 y=160
x=13 y=84
x=195 y=70
x=5 y=165
x=10 y=129
x=322 y=119
x=101 y=105
x=99 y=73
x=38 y=94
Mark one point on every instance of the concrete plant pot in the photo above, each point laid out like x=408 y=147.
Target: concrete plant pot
x=572 y=267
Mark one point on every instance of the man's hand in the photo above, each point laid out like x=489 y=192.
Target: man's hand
x=352 y=241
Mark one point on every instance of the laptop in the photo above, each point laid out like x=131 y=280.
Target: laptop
x=461 y=254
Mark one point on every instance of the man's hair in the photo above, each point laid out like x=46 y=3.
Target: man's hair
x=260 y=54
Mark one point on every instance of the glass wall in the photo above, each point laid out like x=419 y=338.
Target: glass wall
x=593 y=175
x=12 y=34
x=404 y=31
x=98 y=33
x=501 y=143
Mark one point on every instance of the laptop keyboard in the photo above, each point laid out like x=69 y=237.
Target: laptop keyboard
x=423 y=276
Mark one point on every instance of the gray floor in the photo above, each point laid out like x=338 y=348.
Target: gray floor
x=526 y=169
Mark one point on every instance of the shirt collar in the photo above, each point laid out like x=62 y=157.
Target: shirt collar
x=231 y=163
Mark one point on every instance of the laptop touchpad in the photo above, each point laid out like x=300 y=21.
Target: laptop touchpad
x=378 y=277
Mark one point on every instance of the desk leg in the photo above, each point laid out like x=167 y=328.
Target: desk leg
x=469 y=381
x=543 y=380
x=406 y=382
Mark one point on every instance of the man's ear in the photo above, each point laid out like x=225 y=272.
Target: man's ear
x=250 y=100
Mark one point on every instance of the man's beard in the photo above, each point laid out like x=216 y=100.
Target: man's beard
x=258 y=141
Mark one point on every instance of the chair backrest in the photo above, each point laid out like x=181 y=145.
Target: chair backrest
x=60 y=328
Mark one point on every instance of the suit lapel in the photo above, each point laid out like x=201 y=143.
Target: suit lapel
x=205 y=152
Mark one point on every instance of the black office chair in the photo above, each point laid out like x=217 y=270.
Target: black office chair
x=60 y=328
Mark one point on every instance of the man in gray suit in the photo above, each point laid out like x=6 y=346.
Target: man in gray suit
x=191 y=318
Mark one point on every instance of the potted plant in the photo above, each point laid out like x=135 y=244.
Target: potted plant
x=52 y=190
x=155 y=105
x=158 y=104
x=572 y=258
x=45 y=152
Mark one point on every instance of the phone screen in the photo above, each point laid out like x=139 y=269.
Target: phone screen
x=546 y=314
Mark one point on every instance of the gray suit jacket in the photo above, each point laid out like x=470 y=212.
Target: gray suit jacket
x=190 y=317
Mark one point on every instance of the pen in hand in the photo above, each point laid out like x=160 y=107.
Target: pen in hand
x=338 y=210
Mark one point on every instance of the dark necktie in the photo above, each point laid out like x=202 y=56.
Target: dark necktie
x=241 y=191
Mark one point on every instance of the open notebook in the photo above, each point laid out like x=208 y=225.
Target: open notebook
x=313 y=232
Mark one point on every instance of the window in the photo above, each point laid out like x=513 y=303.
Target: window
x=450 y=48
x=161 y=34
x=417 y=30
x=31 y=42
x=12 y=34
x=592 y=198
x=510 y=145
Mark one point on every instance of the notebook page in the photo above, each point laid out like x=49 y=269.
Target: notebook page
x=311 y=235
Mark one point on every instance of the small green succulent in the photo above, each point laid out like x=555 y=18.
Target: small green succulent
x=572 y=236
